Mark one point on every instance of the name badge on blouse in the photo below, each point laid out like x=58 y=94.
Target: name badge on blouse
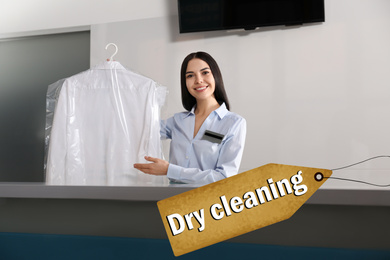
x=213 y=137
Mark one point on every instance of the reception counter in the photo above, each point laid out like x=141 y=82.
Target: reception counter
x=353 y=219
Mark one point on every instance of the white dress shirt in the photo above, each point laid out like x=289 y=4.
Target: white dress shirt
x=202 y=159
x=106 y=119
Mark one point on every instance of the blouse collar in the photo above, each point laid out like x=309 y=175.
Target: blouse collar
x=221 y=111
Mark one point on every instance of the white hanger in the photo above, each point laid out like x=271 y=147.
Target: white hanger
x=116 y=50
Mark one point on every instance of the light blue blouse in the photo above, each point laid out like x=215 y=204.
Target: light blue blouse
x=199 y=159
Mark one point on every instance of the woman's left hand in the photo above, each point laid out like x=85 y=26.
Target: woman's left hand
x=156 y=167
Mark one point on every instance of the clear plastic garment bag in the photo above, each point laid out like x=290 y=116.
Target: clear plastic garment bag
x=99 y=123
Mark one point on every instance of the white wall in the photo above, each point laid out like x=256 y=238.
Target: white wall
x=314 y=96
x=24 y=16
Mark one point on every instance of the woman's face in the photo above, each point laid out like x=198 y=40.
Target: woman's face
x=200 y=80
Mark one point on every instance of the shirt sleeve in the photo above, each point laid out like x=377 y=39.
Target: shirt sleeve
x=56 y=162
x=227 y=165
x=165 y=128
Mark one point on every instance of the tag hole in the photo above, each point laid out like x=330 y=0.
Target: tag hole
x=318 y=176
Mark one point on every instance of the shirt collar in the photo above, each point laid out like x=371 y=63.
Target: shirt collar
x=221 y=111
x=192 y=112
x=106 y=65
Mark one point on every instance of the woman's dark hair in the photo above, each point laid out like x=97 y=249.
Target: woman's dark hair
x=220 y=94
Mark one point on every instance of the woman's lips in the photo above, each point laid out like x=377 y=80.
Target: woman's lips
x=200 y=88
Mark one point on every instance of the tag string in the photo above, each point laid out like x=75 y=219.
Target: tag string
x=368 y=183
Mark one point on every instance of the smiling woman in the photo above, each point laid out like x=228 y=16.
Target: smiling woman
x=200 y=84
x=207 y=139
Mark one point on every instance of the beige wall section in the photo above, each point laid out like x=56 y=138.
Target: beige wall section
x=315 y=95
x=24 y=15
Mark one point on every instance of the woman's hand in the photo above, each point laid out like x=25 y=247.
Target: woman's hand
x=156 y=167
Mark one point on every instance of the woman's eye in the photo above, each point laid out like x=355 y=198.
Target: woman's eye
x=189 y=76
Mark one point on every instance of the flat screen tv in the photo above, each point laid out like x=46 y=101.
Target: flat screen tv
x=211 y=15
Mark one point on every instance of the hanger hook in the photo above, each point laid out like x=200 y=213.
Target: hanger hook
x=116 y=50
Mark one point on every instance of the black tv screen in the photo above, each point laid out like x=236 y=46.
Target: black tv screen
x=211 y=15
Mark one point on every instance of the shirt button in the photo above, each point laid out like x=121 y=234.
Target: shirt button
x=186 y=157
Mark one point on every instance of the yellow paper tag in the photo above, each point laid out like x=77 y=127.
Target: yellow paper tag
x=237 y=205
